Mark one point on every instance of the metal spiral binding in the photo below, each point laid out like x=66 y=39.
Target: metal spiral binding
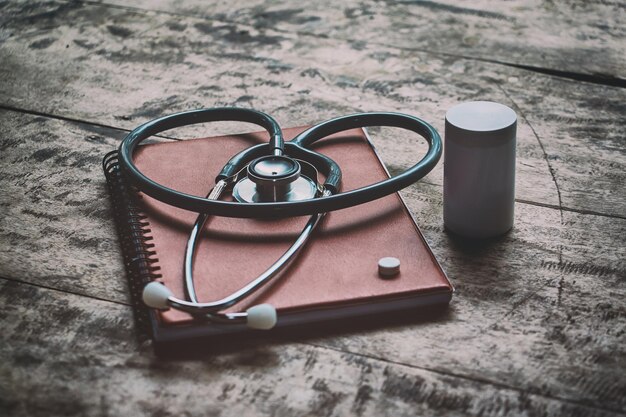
x=140 y=259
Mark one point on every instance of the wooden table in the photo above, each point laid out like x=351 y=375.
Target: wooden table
x=537 y=325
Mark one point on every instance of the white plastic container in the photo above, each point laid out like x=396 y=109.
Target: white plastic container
x=479 y=169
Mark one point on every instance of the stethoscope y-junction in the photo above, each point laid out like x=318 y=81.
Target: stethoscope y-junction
x=279 y=179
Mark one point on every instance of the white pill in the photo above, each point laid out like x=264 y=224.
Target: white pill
x=388 y=266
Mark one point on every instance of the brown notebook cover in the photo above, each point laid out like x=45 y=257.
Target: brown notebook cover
x=334 y=276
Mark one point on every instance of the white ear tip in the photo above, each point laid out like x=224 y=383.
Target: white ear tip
x=155 y=295
x=262 y=316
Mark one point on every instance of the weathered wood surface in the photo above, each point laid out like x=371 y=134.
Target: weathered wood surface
x=168 y=63
x=580 y=36
x=537 y=325
x=74 y=356
x=60 y=235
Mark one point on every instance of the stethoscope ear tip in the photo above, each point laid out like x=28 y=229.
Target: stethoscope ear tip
x=155 y=295
x=262 y=317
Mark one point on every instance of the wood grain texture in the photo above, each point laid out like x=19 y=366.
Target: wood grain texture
x=521 y=311
x=538 y=321
x=571 y=36
x=63 y=354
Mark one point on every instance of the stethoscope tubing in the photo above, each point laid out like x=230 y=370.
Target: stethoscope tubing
x=306 y=138
x=210 y=309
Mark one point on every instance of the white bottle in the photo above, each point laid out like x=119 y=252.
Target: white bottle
x=479 y=169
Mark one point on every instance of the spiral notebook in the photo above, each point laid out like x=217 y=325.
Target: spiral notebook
x=334 y=278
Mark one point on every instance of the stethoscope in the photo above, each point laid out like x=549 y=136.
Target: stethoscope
x=276 y=180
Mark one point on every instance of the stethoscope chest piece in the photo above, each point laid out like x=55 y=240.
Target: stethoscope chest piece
x=276 y=178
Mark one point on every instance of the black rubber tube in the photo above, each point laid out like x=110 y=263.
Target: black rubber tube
x=217 y=114
x=306 y=138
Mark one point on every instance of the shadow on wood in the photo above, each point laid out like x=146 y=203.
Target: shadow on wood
x=203 y=347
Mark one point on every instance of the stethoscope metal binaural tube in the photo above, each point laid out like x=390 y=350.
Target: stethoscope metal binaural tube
x=210 y=310
x=260 y=316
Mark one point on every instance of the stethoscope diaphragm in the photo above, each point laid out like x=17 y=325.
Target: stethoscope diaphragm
x=275 y=178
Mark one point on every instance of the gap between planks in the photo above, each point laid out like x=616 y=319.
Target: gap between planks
x=466 y=377
x=63 y=291
x=600 y=79
x=73 y=120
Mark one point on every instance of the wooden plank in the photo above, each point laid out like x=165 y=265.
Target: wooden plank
x=67 y=355
x=584 y=37
x=173 y=63
x=526 y=299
